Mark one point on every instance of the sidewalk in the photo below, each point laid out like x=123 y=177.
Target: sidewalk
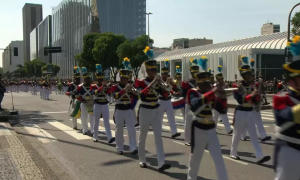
x=15 y=161
x=20 y=159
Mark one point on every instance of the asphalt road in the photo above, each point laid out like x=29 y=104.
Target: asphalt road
x=50 y=123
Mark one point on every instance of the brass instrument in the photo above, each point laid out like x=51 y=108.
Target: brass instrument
x=131 y=89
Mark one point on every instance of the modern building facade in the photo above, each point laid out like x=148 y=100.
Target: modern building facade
x=123 y=17
x=9 y=61
x=71 y=20
x=270 y=28
x=32 y=16
x=34 y=44
x=267 y=52
x=199 y=42
x=45 y=39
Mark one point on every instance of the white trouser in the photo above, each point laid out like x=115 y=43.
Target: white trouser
x=182 y=112
x=74 y=122
x=224 y=118
x=259 y=125
x=99 y=109
x=188 y=123
x=150 y=117
x=42 y=93
x=288 y=164
x=209 y=138
x=166 y=106
x=46 y=93
x=128 y=117
x=244 y=120
x=84 y=122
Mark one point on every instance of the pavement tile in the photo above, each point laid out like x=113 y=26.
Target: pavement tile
x=8 y=169
x=25 y=164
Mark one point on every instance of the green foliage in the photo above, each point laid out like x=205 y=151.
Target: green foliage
x=134 y=51
x=20 y=72
x=104 y=52
x=56 y=68
x=34 y=68
x=296 y=24
x=86 y=58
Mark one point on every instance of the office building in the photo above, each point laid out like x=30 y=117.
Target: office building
x=123 y=17
x=71 y=20
x=9 y=61
x=44 y=39
x=270 y=28
x=32 y=16
x=34 y=44
x=199 y=42
x=183 y=43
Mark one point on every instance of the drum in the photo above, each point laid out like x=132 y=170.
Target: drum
x=89 y=106
x=178 y=102
x=74 y=109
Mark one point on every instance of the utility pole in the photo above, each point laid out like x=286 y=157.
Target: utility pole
x=148 y=14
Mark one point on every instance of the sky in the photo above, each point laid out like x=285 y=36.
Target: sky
x=220 y=20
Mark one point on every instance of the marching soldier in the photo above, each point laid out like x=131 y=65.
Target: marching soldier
x=123 y=92
x=246 y=96
x=257 y=111
x=83 y=94
x=72 y=91
x=201 y=101
x=100 y=90
x=177 y=87
x=186 y=85
x=220 y=111
x=150 y=87
x=287 y=114
x=165 y=104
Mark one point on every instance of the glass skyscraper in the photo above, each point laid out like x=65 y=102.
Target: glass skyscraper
x=71 y=20
x=45 y=38
x=34 y=44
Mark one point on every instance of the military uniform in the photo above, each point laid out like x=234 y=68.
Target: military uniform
x=84 y=95
x=244 y=115
x=165 y=105
x=123 y=112
x=71 y=91
x=186 y=85
x=287 y=114
x=203 y=127
x=101 y=106
x=220 y=111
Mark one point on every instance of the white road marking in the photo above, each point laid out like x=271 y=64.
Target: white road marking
x=224 y=156
x=68 y=130
x=41 y=134
x=59 y=112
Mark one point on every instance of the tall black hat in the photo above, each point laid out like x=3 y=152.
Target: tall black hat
x=194 y=67
x=76 y=72
x=292 y=69
x=245 y=69
x=99 y=74
x=203 y=77
x=126 y=72
x=178 y=72
x=219 y=75
x=85 y=73
x=166 y=68
x=151 y=63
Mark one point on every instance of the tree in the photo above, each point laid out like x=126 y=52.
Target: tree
x=56 y=68
x=86 y=58
x=20 y=72
x=105 y=52
x=296 y=24
x=134 y=51
x=34 y=67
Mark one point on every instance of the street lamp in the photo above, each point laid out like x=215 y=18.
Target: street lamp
x=289 y=29
x=148 y=14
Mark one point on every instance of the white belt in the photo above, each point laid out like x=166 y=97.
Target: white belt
x=100 y=98
x=123 y=102
x=149 y=103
